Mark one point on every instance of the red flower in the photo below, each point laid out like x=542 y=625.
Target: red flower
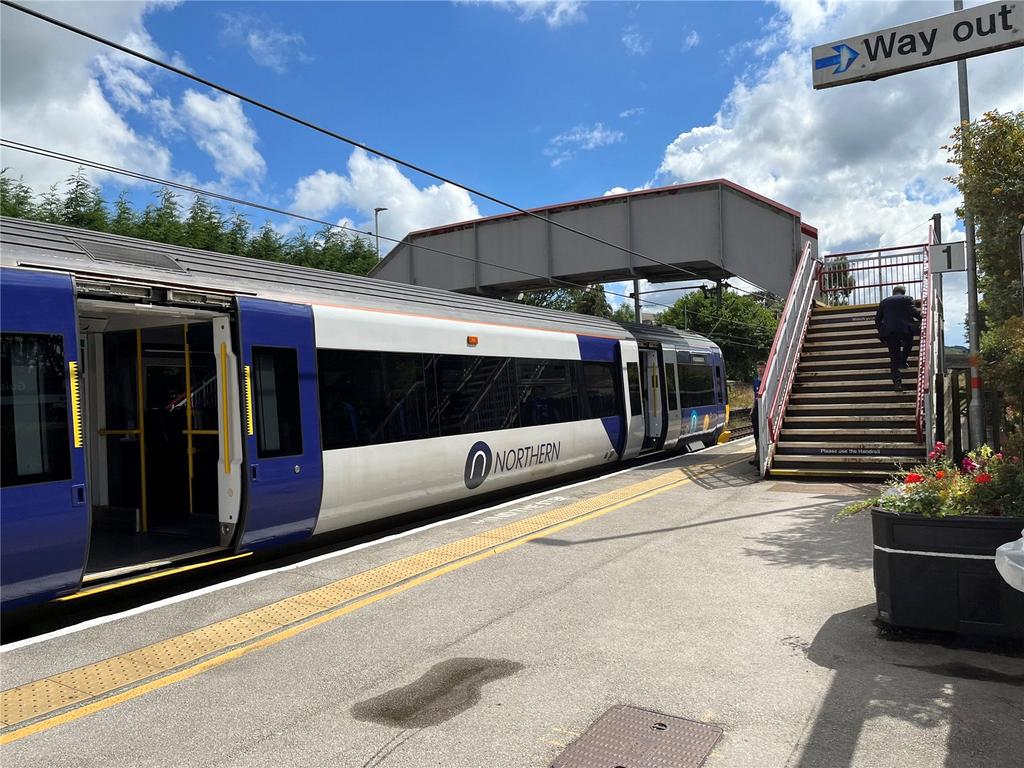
x=913 y=477
x=940 y=474
x=983 y=477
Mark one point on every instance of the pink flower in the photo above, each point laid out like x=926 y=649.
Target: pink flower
x=940 y=447
x=968 y=464
x=999 y=456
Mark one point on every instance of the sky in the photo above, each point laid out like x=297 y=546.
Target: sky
x=536 y=103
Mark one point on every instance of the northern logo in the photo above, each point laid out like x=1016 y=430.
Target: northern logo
x=478 y=464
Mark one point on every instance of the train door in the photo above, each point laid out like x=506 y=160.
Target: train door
x=633 y=400
x=653 y=397
x=44 y=528
x=155 y=431
x=671 y=398
x=283 y=467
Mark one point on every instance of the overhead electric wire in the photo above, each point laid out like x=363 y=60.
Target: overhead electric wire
x=327 y=132
x=64 y=157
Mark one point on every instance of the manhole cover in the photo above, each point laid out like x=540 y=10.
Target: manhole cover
x=629 y=737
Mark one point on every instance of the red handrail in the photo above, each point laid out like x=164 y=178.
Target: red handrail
x=925 y=345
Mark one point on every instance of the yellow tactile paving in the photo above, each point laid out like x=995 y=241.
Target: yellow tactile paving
x=43 y=697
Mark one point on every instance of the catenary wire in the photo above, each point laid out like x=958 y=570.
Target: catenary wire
x=53 y=154
x=327 y=132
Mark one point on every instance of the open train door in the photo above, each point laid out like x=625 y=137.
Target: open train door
x=283 y=466
x=44 y=524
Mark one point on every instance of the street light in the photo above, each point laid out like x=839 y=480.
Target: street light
x=376 y=228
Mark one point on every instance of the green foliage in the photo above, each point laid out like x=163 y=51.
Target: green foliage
x=624 y=313
x=986 y=483
x=990 y=154
x=584 y=301
x=203 y=225
x=743 y=327
x=15 y=198
x=1002 y=360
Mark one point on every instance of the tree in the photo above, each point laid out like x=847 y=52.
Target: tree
x=267 y=244
x=585 y=301
x=162 y=222
x=743 y=327
x=15 y=197
x=83 y=204
x=990 y=156
x=204 y=227
x=236 y=237
x=124 y=221
x=624 y=313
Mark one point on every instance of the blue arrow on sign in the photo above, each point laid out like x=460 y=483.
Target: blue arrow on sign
x=845 y=56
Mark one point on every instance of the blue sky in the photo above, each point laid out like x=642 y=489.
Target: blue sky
x=534 y=102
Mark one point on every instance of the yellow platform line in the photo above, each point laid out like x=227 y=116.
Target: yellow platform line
x=44 y=704
x=148 y=577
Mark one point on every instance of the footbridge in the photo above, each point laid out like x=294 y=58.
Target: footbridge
x=710 y=230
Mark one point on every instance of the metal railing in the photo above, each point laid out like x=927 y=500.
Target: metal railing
x=928 y=349
x=780 y=369
x=867 y=277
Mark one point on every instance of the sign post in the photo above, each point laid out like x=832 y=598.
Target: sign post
x=952 y=37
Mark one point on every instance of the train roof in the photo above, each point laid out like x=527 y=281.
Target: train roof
x=98 y=255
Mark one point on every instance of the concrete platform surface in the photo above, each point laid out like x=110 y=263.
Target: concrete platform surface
x=683 y=587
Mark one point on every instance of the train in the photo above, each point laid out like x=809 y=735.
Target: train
x=163 y=405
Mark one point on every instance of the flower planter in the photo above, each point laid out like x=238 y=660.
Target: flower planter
x=939 y=574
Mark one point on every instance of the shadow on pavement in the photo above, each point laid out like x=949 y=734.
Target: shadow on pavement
x=814 y=540
x=974 y=699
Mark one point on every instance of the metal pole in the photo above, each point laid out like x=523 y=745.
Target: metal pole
x=975 y=413
x=937 y=295
x=376 y=228
x=636 y=300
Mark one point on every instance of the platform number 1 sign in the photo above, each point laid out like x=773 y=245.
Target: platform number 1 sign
x=947 y=257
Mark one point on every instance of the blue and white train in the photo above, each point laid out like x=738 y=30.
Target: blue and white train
x=163 y=405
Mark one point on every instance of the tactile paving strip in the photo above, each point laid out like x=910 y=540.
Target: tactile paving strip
x=630 y=737
x=44 y=697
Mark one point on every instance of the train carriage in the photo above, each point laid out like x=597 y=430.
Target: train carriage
x=163 y=405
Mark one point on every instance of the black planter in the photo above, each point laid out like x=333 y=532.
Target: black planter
x=940 y=574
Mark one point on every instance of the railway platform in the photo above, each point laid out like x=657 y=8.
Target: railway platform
x=685 y=587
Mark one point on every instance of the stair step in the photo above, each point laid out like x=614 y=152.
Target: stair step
x=853 y=451
x=879 y=474
x=880 y=376
x=886 y=395
x=891 y=461
x=849 y=353
x=860 y=409
x=861 y=419
x=849 y=434
x=842 y=345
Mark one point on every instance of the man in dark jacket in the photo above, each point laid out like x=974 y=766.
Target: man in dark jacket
x=897 y=320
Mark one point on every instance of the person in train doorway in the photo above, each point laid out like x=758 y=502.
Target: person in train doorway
x=898 y=321
x=756 y=461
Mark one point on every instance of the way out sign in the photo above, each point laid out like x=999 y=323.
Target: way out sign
x=972 y=32
x=947 y=257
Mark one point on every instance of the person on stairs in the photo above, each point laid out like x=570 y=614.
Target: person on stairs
x=898 y=321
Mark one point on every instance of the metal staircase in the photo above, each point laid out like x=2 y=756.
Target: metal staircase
x=827 y=405
x=844 y=417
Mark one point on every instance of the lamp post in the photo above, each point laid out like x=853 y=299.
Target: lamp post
x=376 y=228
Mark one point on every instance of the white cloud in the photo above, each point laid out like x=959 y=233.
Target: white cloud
x=555 y=13
x=691 y=40
x=636 y=44
x=634 y=112
x=623 y=190
x=377 y=183
x=268 y=45
x=221 y=129
x=564 y=146
x=861 y=162
x=53 y=91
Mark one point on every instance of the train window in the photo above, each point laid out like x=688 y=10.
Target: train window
x=696 y=386
x=369 y=398
x=475 y=394
x=635 y=403
x=601 y=390
x=33 y=410
x=672 y=386
x=719 y=387
x=276 y=401
x=547 y=391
